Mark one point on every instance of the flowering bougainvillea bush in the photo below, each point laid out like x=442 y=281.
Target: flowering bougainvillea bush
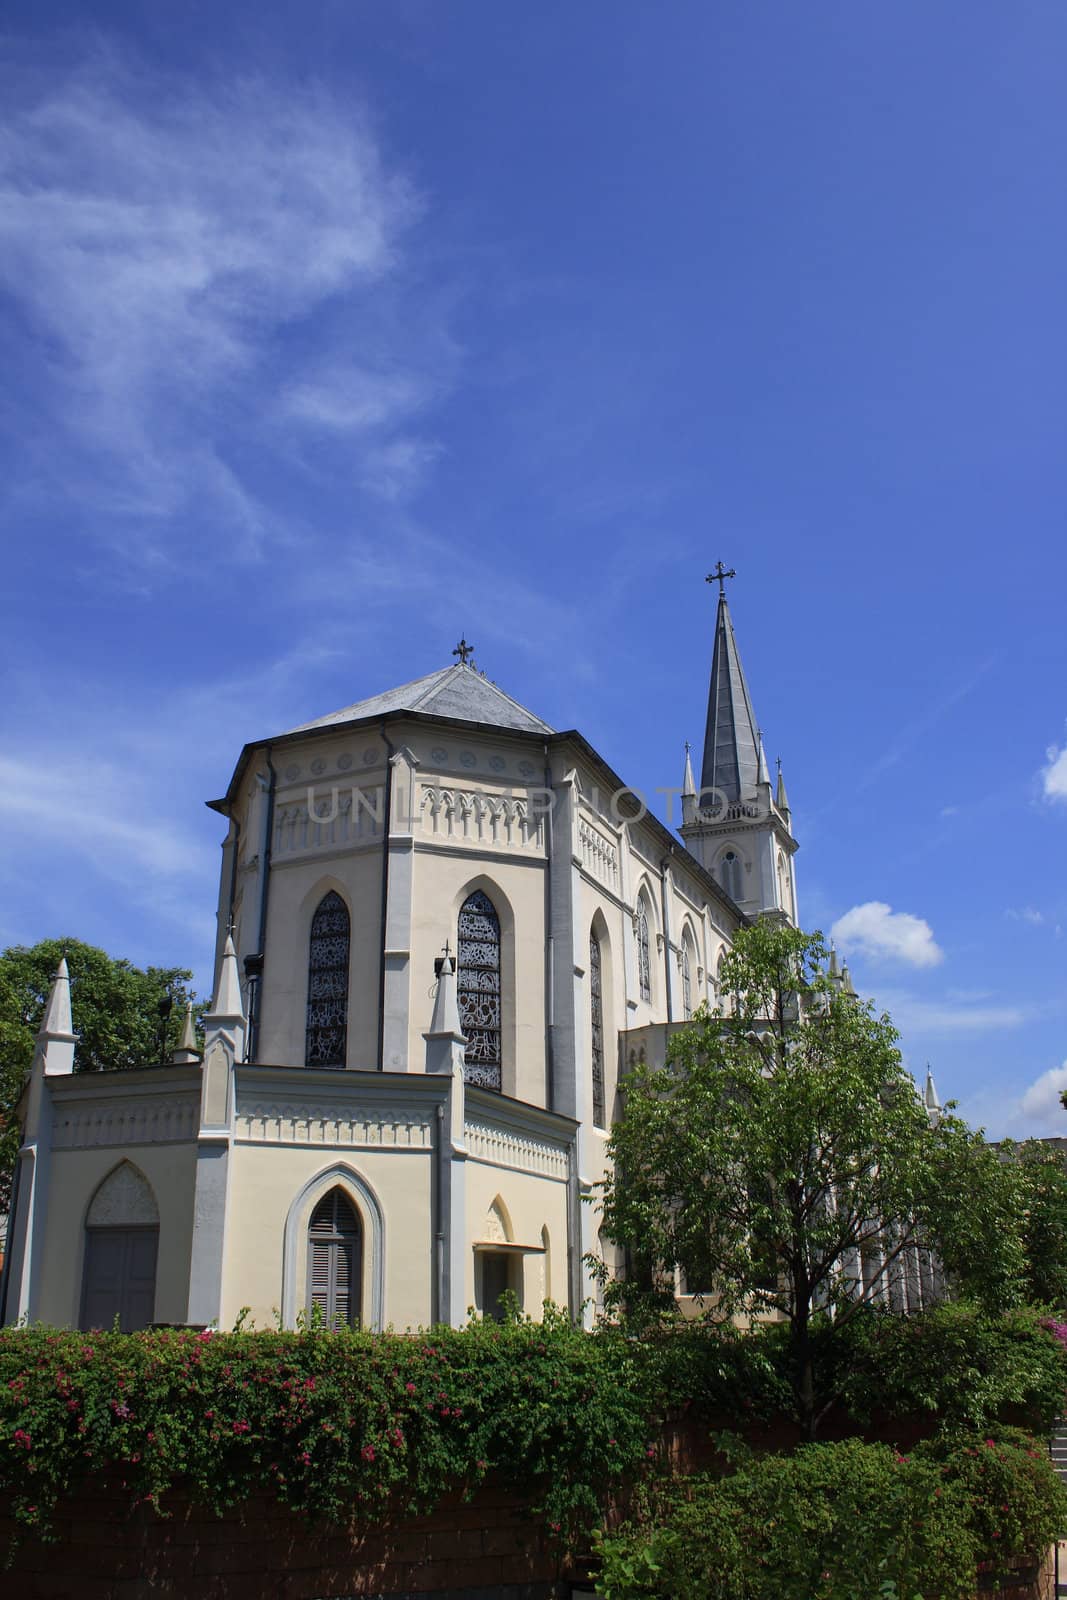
x=341 y=1423
x=842 y=1521
x=331 y=1422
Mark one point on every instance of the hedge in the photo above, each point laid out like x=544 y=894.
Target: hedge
x=353 y=1422
x=843 y=1521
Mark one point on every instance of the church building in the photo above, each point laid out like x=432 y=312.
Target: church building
x=444 y=931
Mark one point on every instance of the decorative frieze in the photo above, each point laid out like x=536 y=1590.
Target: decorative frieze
x=480 y=817
x=329 y=816
x=159 y=1119
x=599 y=855
x=295 y=1122
x=505 y=1147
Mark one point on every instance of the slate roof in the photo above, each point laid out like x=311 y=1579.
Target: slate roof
x=731 y=741
x=458 y=692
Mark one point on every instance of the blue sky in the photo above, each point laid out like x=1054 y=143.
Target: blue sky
x=329 y=334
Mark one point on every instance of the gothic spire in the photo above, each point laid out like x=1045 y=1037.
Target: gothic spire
x=781 y=799
x=689 y=787
x=228 y=1003
x=732 y=746
x=187 y=1053
x=56 y=1022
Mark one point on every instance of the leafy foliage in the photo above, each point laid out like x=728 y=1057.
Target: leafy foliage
x=1042 y=1173
x=783 y=1149
x=334 y=1423
x=358 y=1423
x=116 y=1017
x=957 y=1363
x=842 y=1521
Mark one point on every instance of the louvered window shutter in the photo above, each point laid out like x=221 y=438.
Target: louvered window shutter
x=334 y=1258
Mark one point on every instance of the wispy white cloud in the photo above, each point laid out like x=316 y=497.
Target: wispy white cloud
x=913 y=731
x=1028 y=914
x=1041 y=1104
x=353 y=399
x=164 y=242
x=1054 y=774
x=104 y=818
x=874 y=929
x=918 y=1014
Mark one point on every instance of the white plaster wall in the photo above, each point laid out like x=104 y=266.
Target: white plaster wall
x=516 y=887
x=266 y=1179
x=296 y=888
x=533 y=1203
x=75 y=1176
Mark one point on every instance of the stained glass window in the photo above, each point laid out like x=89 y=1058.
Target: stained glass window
x=687 y=982
x=327 y=1016
x=596 y=1007
x=478 y=989
x=644 y=966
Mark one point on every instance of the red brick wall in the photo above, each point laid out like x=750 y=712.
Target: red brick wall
x=491 y=1546
x=262 y=1550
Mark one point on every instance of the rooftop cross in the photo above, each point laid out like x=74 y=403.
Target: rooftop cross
x=720 y=576
x=463 y=650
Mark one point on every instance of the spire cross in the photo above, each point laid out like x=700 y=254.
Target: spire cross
x=463 y=650
x=720 y=576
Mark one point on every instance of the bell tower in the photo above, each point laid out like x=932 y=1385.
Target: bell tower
x=738 y=823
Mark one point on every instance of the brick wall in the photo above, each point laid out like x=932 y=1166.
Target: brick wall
x=488 y=1546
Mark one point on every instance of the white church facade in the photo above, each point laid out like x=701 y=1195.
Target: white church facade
x=445 y=928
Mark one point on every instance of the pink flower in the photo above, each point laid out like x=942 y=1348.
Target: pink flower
x=411 y=1388
x=367 y=1452
x=23 y=1438
x=242 y=1427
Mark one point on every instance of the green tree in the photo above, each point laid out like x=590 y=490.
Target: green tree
x=115 y=1009
x=784 y=1160
x=1042 y=1172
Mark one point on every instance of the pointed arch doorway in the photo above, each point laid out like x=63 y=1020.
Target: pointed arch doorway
x=121 y=1247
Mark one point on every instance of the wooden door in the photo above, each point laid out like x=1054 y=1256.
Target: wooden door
x=119 y=1278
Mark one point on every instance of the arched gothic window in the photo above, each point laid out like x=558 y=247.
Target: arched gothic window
x=730 y=874
x=722 y=997
x=335 y=1261
x=327 y=1014
x=687 y=982
x=478 y=989
x=596 y=1013
x=644 y=965
x=783 y=883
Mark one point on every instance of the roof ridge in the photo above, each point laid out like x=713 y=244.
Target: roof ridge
x=433 y=681
x=503 y=693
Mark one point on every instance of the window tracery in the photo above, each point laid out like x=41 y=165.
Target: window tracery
x=644 y=964
x=478 y=989
x=687 y=982
x=327 y=1009
x=596 y=1008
